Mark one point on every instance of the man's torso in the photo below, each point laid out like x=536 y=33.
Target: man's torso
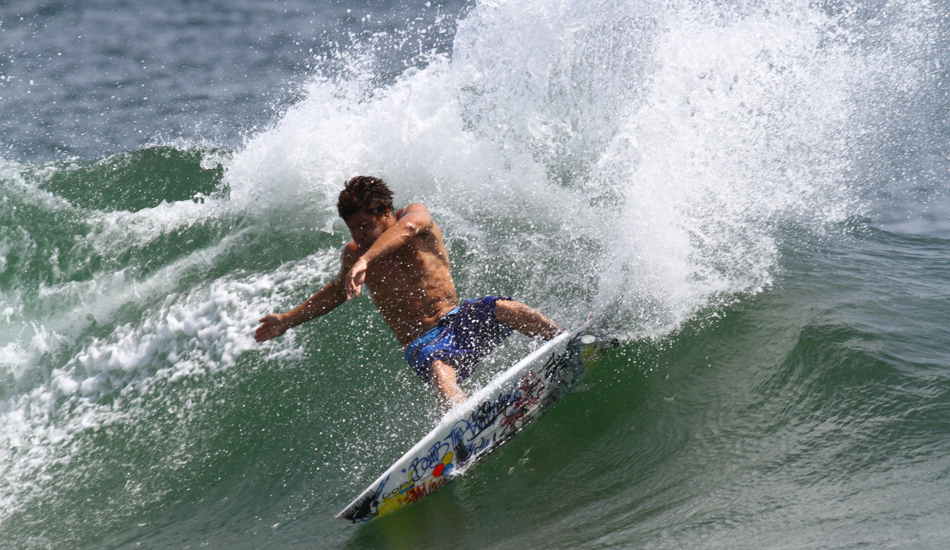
x=412 y=287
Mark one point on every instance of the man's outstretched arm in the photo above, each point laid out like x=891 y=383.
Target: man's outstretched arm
x=324 y=301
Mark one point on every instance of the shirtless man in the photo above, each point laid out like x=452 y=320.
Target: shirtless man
x=401 y=258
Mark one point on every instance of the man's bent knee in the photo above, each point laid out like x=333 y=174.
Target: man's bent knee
x=525 y=319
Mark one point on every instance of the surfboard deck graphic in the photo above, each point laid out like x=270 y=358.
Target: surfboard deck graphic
x=483 y=423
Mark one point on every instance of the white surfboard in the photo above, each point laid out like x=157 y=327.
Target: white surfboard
x=482 y=423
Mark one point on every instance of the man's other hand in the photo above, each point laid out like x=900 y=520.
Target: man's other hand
x=272 y=326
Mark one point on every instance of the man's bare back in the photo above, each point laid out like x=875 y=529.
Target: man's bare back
x=401 y=257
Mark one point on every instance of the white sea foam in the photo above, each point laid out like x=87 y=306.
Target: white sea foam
x=193 y=334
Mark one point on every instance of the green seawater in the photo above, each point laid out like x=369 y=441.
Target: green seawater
x=140 y=413
x=751 y=197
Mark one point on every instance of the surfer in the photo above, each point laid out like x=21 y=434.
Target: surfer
x=400 y=256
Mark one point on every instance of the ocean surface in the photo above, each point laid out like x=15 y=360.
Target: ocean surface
x=752 y=196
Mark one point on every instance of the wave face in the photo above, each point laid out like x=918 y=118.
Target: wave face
x=751 y=196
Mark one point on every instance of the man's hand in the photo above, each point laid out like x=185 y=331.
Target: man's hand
x=272 y=326
x=355 y=279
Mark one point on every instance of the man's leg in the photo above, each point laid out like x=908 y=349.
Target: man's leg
x=444 y=380
x=525 y=319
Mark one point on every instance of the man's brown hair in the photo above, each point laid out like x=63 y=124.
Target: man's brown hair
x=365 y=193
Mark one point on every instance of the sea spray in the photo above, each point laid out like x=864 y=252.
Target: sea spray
x=730 y=141
x=663 y=146
x=639 y=161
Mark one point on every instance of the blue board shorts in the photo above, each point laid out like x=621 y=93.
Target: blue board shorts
x=460 y=339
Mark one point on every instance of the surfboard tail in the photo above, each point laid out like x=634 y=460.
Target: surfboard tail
x=590 y=344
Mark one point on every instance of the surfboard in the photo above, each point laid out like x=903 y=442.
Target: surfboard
x=480 y=425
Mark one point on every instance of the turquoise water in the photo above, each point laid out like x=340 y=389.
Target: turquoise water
x=753 y=197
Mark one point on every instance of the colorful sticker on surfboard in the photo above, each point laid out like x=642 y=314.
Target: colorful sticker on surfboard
x=482 y=424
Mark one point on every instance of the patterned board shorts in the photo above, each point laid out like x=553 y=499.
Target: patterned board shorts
x=460 y=338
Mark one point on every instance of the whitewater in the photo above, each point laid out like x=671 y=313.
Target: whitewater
x=751 y=196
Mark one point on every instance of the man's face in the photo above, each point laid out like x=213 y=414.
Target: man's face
x=365 y=227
